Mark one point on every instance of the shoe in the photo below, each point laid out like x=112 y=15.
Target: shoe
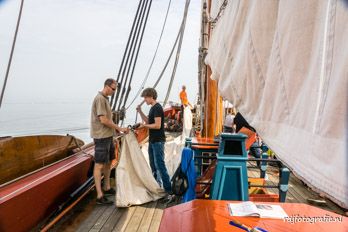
x=169 y=199
x=110 y=192
x=103 y=201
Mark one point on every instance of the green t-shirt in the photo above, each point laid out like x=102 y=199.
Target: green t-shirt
x=100 y=107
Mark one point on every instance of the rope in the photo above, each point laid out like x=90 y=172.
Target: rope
x=167 y=62
x=219 y=14
x=78 y=145
x=126 y=51
x=170 y=56
x=153 y=58
x=131 y=56
x=136 y=56
x=12 y=50
x=177 y=53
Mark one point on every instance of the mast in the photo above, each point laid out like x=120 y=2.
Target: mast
x=212 y=104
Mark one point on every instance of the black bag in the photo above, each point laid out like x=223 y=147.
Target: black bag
x=180 y=181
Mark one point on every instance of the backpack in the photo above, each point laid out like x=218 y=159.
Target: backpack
x=180 y=181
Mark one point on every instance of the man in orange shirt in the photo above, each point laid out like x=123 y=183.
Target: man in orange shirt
x=184 y=102
x=183 y=97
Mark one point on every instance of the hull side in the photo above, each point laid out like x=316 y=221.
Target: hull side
x=26 y=202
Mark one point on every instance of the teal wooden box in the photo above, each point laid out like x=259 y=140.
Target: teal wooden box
x=230 y=181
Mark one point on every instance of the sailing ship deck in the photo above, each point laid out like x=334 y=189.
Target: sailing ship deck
x=87 y=216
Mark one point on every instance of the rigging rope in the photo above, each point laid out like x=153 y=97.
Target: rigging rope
x=177 y=53
x=167 y=62
x=125 y=52
x=134 y=34
x=153 y=58
x=131 y=55
x=11 y=54
x=136 y=57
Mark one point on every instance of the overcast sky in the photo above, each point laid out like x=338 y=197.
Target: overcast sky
x=65 y=49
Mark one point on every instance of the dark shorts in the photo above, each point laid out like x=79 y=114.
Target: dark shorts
x=104 y=150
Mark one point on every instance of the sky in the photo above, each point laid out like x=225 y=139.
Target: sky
x=66 y=49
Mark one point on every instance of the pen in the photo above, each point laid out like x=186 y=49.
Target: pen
x=239 y=225
x=258 y=229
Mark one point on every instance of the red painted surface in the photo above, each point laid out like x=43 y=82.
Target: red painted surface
x=171 y=111
x=26 y=202
x=213 y=215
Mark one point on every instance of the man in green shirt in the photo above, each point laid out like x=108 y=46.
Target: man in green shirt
x=102 y=132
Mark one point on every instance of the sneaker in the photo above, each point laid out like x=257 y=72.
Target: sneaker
x=110 y=192
x=103 y=201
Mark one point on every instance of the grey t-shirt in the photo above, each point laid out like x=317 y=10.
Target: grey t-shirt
x=100 y=107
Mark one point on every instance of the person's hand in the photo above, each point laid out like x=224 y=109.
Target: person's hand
x=142 y=125
x=125 y=130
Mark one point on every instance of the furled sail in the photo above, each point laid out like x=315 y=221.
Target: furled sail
x=284 y=65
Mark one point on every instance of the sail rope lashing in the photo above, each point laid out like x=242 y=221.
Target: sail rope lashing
x=153 y=58
x=12 y=51
x=128 y=50
x=177 y=53
x=135 y=61
x=222 y=8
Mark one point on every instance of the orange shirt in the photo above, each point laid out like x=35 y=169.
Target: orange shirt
x=183 y=98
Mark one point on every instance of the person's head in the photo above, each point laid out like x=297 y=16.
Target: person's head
x=184 y=87
x=110 y=86
x=149 y=95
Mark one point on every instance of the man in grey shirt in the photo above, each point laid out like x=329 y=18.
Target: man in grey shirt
x=102 y=131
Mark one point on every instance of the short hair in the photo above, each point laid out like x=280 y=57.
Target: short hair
x=109 y=82
x=149 y=92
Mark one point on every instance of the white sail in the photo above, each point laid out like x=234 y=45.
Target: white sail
x=284 y=65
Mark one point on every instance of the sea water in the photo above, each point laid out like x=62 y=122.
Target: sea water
x=50 y=118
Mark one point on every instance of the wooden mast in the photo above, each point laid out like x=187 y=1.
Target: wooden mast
x=213 y=102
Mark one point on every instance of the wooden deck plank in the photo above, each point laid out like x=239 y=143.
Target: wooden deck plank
x=156 y=219
x=137 y=217
x=273 y=179
x=291 y=196
x=298 y=192
x=89 y=222
x=112 y=220
x=103 y=218
x=124 y=219
x=300 y=188
x=147 y=219
x=297 y=197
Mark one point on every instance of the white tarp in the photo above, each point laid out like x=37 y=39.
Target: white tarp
x=187 y=123
x=135 y=184
x=284 y=66
x=172 y=151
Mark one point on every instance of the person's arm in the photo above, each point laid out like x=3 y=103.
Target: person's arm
x=109 y=123
x=142 y=115
x=156 y=125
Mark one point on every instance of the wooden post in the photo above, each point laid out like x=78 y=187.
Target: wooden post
x=210 y=106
